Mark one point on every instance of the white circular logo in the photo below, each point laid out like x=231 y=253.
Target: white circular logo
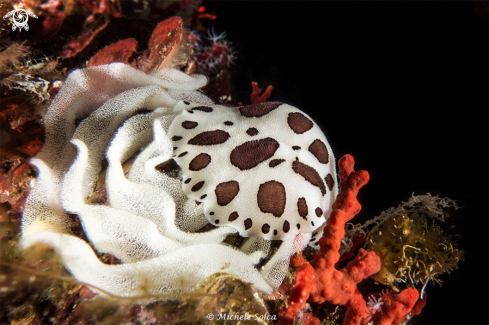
x=20 y=17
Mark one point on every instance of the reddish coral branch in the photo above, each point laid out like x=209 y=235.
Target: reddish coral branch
x=319 y=280
x=418 y=306
x=257 y=96
x=166 y=36
x=397 y=306
x=203 y=14
x=121 y=51
x=77 y=43
x=165 y=39
x=357 y=240
x=94 y=24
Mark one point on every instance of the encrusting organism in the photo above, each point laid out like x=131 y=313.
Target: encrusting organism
x=414 y=246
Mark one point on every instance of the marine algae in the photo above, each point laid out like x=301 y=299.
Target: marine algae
x=414 y=243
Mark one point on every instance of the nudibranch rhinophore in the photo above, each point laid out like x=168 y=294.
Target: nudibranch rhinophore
x=266 y=169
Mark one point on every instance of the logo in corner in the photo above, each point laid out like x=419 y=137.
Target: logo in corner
x=19 y=18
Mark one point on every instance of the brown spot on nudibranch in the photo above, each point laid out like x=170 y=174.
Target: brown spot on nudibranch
x=296 y=148
x=209 y=138
x=271 y=198
x=199 y=162
x=197 y=186
x=206 y=109
x=167 y=166
x=188 y=180
x=265 y=228
x=252 y=131
x=248 y=223
x=302 y=208
x=176 y=138
x=275 y=162
x=229 y=123
x=203 y=196
x=299 y=123
x=275 y=232
x=182 y=154
x=189 y=125
x=233 y=216
x=310 y=175
x=319 y=212
x=329 y=181
x=251 y=153
x=226 y=191
x=258 y=110
x=286 y=226
x=319 y=150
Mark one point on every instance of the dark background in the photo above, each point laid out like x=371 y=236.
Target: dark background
x=400 y=86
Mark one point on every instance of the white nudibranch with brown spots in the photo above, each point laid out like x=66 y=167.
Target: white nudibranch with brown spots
x=265 y=171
